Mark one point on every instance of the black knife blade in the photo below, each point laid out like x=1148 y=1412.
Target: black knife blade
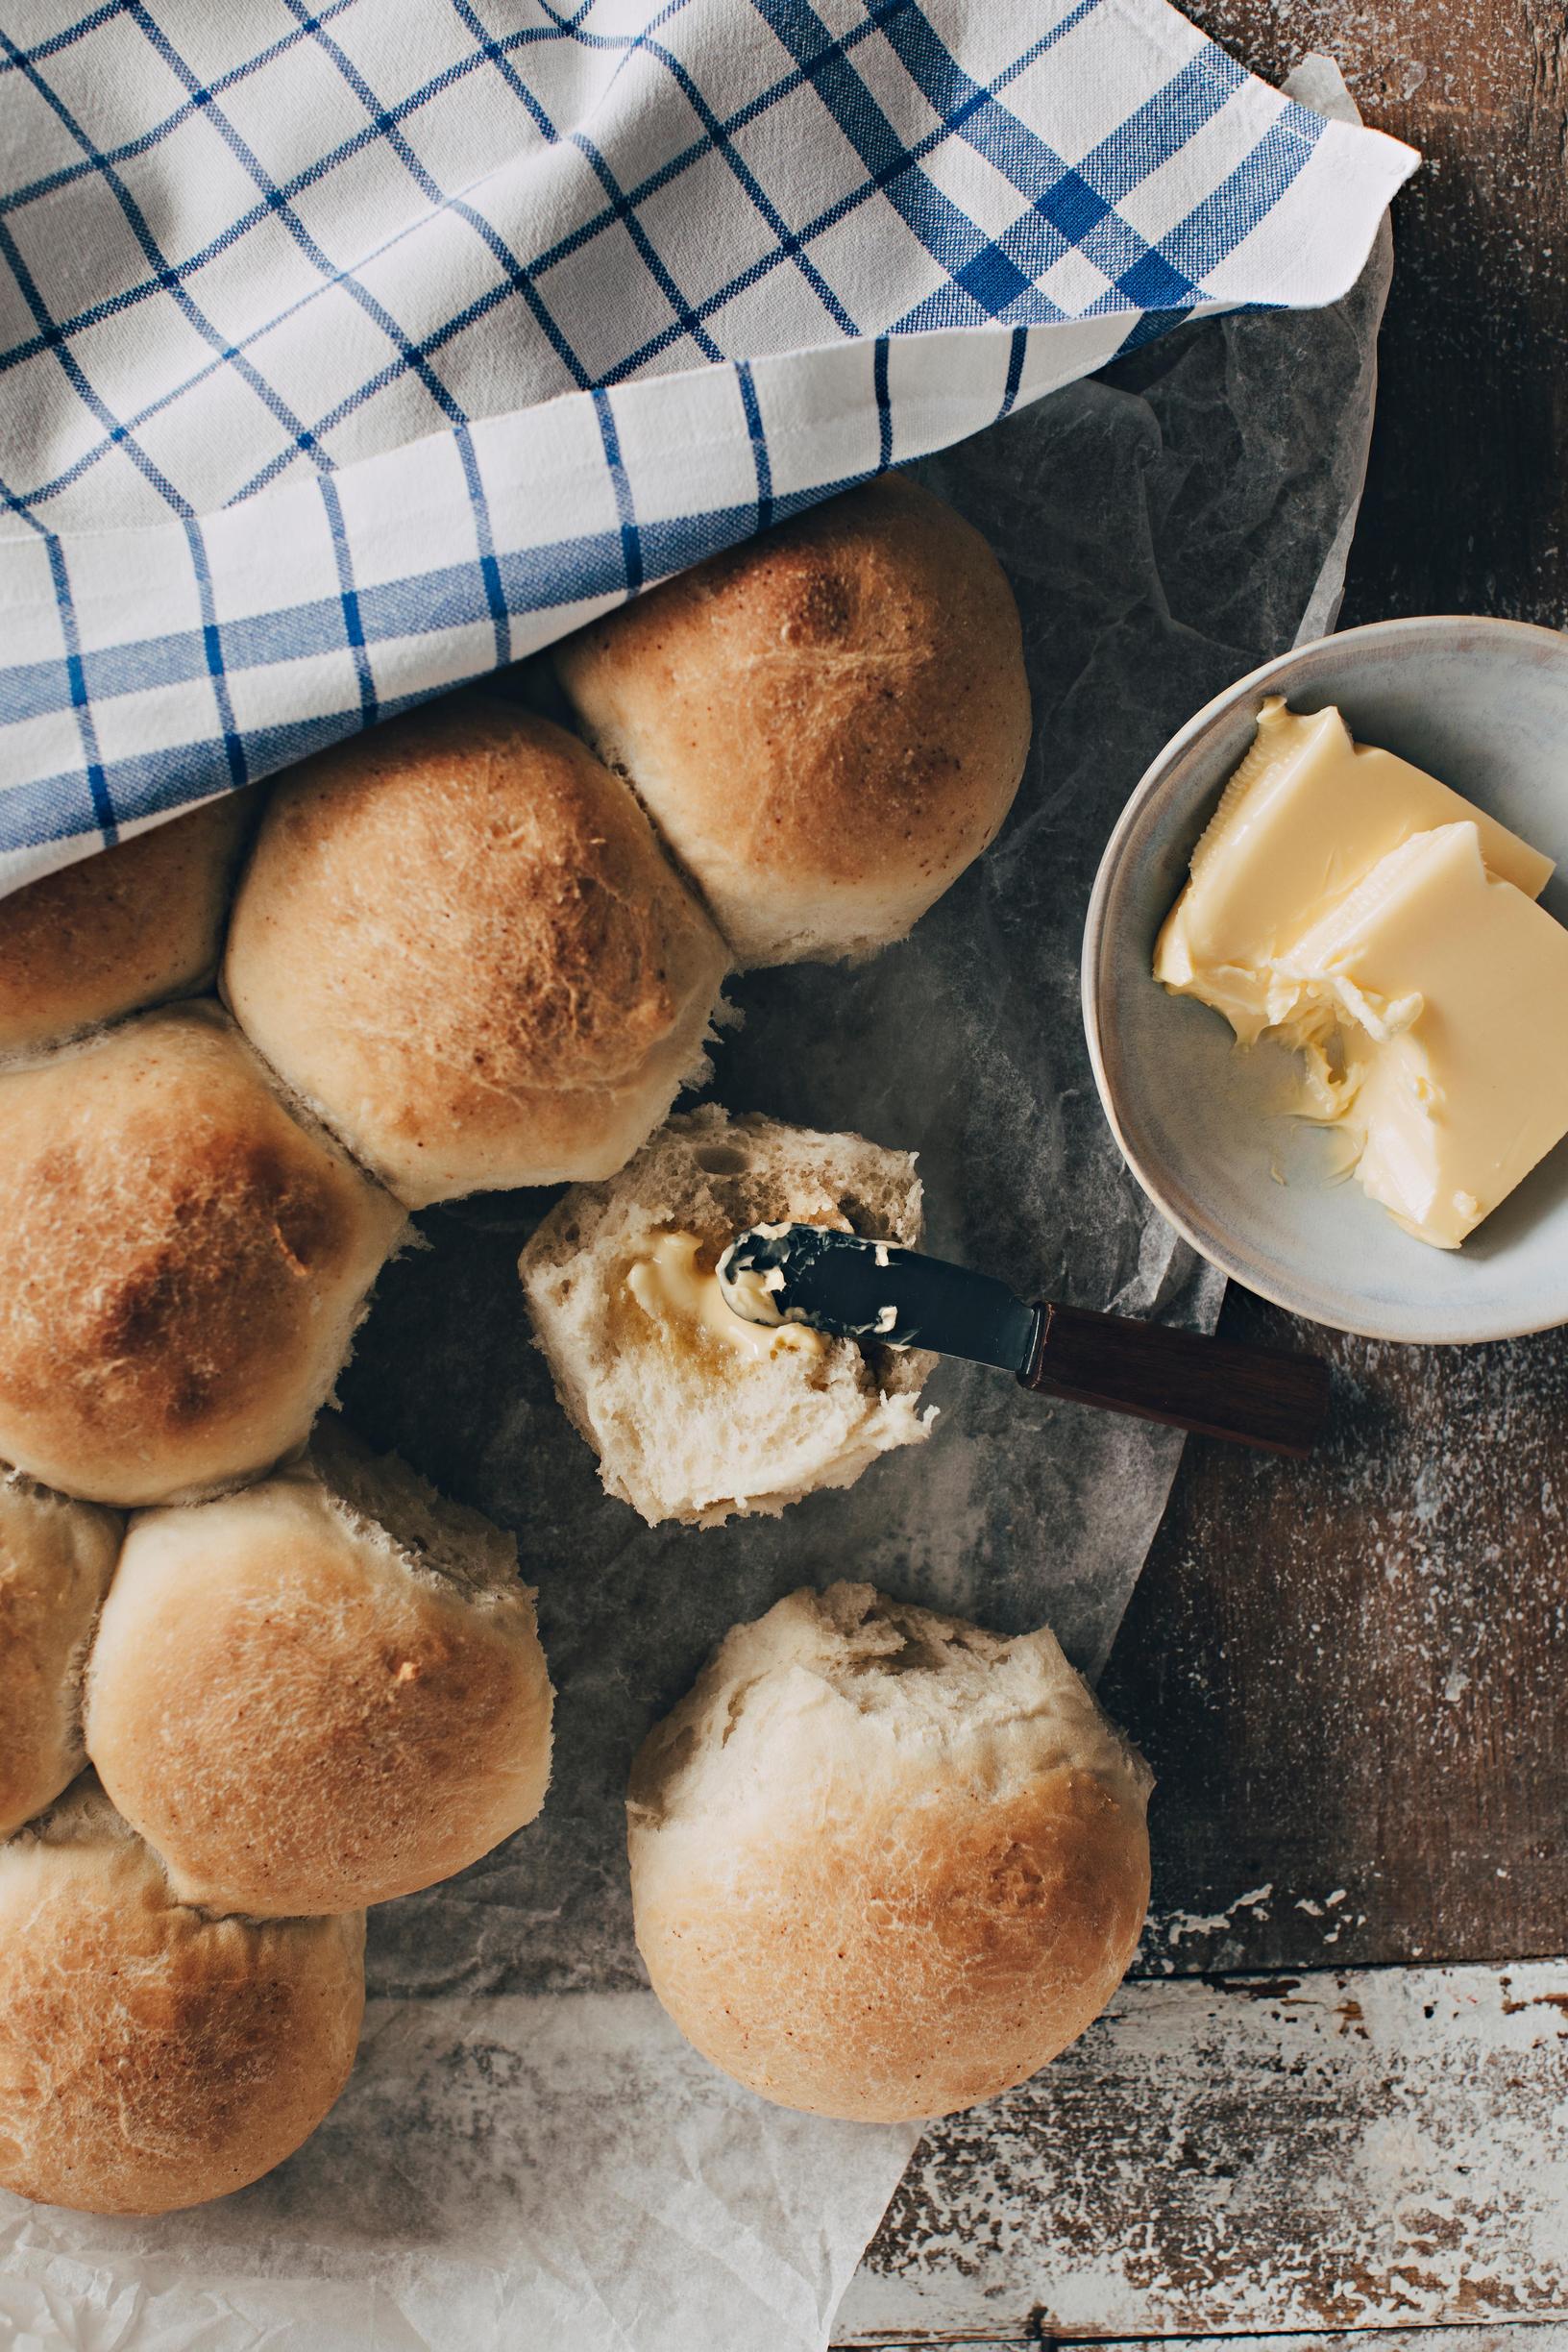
x=875 y=1291
x=880 y=1293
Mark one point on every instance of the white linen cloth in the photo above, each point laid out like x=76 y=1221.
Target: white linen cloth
x=348 y=352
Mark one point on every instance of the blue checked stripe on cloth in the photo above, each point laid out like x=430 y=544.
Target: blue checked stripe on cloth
x=350 y=350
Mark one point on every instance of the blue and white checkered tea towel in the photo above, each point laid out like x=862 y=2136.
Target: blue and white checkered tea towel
x=352 y=348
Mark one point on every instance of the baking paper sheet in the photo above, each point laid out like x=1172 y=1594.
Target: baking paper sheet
x=512 y=2167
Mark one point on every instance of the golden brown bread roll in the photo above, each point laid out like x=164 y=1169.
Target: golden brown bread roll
x=321 y=1692
x=459 y=941
x=826 y=724
x=127 y=927
x=56 y=1561
x=152 y=2056
x=181 y=1263
x=885 y=1865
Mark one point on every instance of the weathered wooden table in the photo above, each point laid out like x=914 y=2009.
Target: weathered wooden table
x=1334 y=2100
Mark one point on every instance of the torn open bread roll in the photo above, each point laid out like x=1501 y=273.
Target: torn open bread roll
x=693 y=1413
x=321 y=1692
x=884 y=1864
x=828 y=725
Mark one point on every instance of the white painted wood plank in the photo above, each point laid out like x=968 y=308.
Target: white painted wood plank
x=1508 y=2335
x=1505 y=2335
x=1379 y=2148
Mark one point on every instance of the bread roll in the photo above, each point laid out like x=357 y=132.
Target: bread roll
x=885 y=1865
x=826 y=724
x=124 y=928
x=459 y=941
x=181 y=1263
x=56 y=1561
x=151 y=2056
x=321 y=1692
x=693 y=1413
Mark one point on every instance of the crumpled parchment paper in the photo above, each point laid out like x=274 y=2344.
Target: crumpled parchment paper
x=514 y=2169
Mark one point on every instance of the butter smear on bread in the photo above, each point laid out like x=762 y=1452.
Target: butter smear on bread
x=678 y=1292
x=1360 y=912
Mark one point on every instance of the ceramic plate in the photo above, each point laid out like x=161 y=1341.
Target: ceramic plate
x=1483 y=705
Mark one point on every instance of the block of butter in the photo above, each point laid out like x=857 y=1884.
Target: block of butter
x=1362 y=912
x=1450 y=990
x=1304 y=818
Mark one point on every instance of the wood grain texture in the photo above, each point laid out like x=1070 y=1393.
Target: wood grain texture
x=1361 y=2150
x=1250 y=1396
x=1347 y=1676
x=1512 y=2336
x=1467 y=502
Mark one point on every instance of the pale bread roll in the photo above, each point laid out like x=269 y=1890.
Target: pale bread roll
x=152 y=2056
x=321 y=1692
x=56 y=1561
x=181 y=1263
x=126 y=927
x=826 y=724
x=459 y=941
x=684 y=1427
x=885 y=1865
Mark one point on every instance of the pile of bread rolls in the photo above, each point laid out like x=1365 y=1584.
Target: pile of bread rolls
x=312 y=1694
x=473 y=949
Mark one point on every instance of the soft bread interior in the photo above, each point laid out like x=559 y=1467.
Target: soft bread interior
x=81 y=1816
x=56 y=1561
x=388 y=1506
x=684 y=1427
x=879 y=1686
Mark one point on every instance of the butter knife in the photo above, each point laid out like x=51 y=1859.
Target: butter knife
x=879 y=1294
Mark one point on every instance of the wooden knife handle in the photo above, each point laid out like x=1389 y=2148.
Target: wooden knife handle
x=1256 y=1396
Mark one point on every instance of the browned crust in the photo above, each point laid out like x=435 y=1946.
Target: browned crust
x=893 y=1961
x=298 y=1726
x=181 y=1264
x=152 y=2058
x=56 y=1561
x=458 y=939
x=839 y=703
x=124 y=928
